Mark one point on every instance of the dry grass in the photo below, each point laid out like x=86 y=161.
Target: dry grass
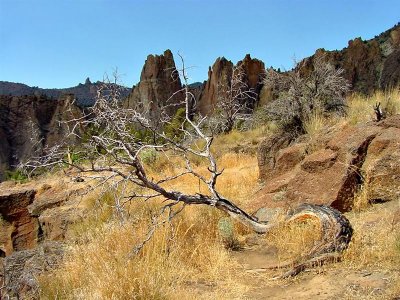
x=360 y=110
x=376 y=238
x=240 y=141
x=361 y=200
x=295 y=240
x=187 y=259
x=315 y=123
x=360 y=107
x=375 y=247
x=176 y=261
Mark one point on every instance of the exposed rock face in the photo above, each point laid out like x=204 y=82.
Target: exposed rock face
x=158 y=87
x=267 y=156
x=33 y=216
x=254 y=70
x=23 y=120
x=367 y=154
x=382 y=165
x=56 y=208
x=390 y=75
x=19 y=230
x=5 y=151
x=368 y=65
x=29 y=124
x=32 y=212
x=220 y=75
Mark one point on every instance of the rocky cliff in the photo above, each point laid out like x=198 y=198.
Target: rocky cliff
x=29 y=124
x=85 y=93
x=368 y=65
x=219 y=77
x=159 y=86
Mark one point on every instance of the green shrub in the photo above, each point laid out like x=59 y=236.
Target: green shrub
x=226 y=230
x=173 y=129
x=17 y=176
x=149 y=156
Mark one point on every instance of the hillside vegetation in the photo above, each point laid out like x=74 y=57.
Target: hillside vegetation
x=202 y=254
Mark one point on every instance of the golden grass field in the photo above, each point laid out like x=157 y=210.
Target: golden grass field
x=192 y=257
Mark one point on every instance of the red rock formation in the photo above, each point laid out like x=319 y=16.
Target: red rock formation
x=158 y=87
x=36 y=211
x=254 y=71
x=219 y=76
x=19 y=230
x=368 y=65
x=390 y=75
x=382 y=165
x=332 y=174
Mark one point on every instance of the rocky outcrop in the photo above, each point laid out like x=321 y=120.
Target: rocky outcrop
x=219 y=77
x=390 y=75
x=345 y=160
x=368 y=65
x=85 y=94
x=21 y=269
x=57 y=208
x=267 y=155
x=34 y=218
x=158 y=89
x=19 y=230
x=382 y=164
x=33 y=212
x=29 y=124
x=5 y=151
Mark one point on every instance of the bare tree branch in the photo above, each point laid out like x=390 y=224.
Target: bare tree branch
x=114 y=140
x=323 y=89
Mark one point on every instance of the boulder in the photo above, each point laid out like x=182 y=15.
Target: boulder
x=57 y=207
x=54 y=222
x=22 y=268
x=288 y=158
x=53 y=196
x=348 y=158
x=382 y=166
x=267 y=152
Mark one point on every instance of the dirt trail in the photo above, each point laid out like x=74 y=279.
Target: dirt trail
x=326 y=282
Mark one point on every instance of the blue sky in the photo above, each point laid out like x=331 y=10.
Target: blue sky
x=58 y=43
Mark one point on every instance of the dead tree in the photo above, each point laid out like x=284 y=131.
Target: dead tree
x=235 y=100
x=379 y=112
x=113 y=141
x=322 y=89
